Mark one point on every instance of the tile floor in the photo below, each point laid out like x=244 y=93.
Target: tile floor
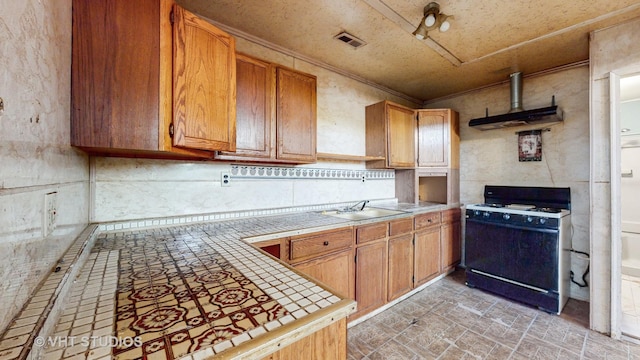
x=630 y=306
x=448 y=320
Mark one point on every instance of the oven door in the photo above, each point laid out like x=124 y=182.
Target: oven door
x=526 y=255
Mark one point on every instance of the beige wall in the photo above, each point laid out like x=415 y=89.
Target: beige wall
x=614 y=49
x=491 y=157
x=35 y=156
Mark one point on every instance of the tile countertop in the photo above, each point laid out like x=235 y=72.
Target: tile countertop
x=192 y=291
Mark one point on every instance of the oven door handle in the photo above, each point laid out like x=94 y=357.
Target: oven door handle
x=516 y=227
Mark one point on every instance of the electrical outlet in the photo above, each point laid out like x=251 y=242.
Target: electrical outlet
x=50 y=213
x=225 y=179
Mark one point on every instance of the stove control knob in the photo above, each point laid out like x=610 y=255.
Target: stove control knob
x=543 y=220
x=529 y=219
x=506 y=216
x=476 y=213
x=486 y=214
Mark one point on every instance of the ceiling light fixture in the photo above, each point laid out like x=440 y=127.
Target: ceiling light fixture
x=432 y=19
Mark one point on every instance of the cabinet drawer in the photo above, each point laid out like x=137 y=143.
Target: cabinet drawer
x=371 y=232
x=310 y=246
x=400 y=226
x=426 y=220
x=451 y=215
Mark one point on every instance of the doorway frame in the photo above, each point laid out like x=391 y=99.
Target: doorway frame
x=616 y=196
x=616 y=253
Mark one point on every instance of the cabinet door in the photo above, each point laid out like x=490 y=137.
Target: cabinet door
x=433 y=138
x=400 y=266
x=335 y=270
x=296 y=114
x=426 y=255
x=451 y=247
x=371 y=276
x=255 y=115
x=114 y=93
x=204 y=75
x=401 y=137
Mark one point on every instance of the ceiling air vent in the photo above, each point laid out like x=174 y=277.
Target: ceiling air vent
x=350 y=39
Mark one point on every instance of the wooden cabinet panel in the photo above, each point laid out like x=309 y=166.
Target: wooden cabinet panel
x=427 y=255
x=390 y=133
x=426 y=220
x=438 y=138
x=401 y=144
x=308 y=246
x=335 y=270
x=327 y=343
x=123 y=86
x=400 y=266
x=371 y=276
x=204 y=95
x=103 y=71
x=366 y=233
x=255 y=110
x=451 y=238
x=400 y=226
x=433 y=138
x=296 y=113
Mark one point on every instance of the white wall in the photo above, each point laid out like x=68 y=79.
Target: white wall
x=35 y=156
x=126 y=189
x=630 y=186
x=491 y=157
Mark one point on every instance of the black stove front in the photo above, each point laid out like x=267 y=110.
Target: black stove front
x=518 y=255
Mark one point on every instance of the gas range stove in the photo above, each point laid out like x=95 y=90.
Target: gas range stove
x=520 y=209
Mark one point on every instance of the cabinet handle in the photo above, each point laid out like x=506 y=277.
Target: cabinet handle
x=428 y=220
x=326 y=243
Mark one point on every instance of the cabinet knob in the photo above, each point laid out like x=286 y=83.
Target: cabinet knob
x=326 y=243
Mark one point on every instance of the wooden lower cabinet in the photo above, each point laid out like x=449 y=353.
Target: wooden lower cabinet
x=327 y=343
x=334 y=270
x=400 y=266
x=371 y=276
x=450 y=235
x=326 y=256
x=426 y=255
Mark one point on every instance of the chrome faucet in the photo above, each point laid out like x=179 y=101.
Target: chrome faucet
x=355 y=206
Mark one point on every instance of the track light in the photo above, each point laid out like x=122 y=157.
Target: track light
x=432 y=19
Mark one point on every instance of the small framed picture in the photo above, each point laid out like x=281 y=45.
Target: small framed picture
x=530 y=145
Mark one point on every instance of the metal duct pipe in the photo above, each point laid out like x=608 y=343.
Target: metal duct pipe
x=516 y=92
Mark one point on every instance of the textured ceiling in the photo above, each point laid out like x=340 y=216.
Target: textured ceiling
x=488 y=39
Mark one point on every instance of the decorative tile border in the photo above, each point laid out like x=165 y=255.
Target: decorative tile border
x=272 y=172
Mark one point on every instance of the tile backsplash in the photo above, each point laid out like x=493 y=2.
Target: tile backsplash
x=132 y=189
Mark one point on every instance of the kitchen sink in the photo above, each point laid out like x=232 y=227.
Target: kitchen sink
x=367 y=213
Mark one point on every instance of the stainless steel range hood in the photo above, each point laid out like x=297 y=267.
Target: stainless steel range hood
x=517 y=116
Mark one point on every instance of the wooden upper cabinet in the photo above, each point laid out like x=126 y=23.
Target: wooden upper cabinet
x=204 y=94
x=276 y=114
x=438 y=138
x=391 y=133
x=255 y=110
x=296 y=113
x=122 y=74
